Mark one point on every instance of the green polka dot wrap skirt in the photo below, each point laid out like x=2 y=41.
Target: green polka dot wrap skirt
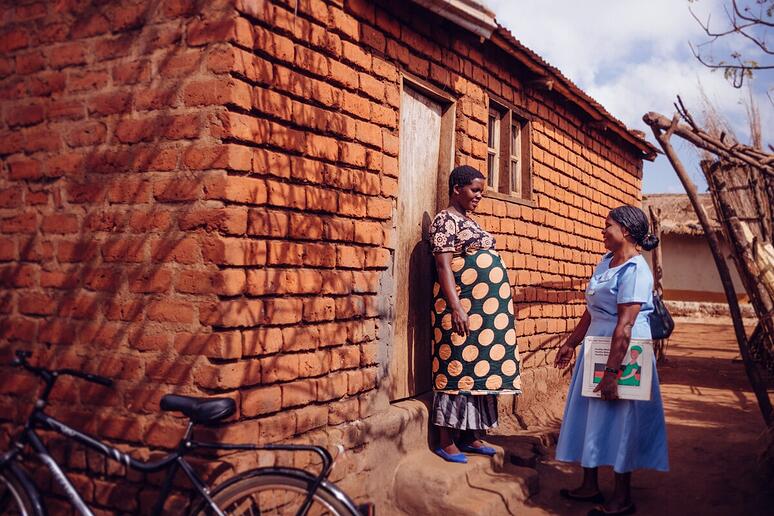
x=487 y=360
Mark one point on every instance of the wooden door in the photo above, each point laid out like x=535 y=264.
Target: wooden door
x=420 y=151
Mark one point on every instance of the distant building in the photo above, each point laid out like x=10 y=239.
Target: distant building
x=690 y=273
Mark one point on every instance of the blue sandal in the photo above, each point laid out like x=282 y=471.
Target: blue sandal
x=483 y=450
x=451 y=457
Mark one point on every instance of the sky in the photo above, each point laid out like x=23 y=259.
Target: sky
x=634 y=57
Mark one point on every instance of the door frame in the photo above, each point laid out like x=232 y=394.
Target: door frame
x=448 y=104
x=446 y=156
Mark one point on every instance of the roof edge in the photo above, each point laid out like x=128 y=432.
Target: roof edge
x=468 y=14
x=503 y=38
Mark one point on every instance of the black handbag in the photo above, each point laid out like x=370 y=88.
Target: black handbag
x=661 y=322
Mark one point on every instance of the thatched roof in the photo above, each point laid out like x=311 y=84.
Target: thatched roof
x=676 y=213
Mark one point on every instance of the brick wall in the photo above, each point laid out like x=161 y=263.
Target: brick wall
x=196 y=197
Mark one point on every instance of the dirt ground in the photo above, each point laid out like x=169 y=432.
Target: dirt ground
x=715 y=436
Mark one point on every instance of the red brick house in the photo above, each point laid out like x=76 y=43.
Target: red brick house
x=227 y=197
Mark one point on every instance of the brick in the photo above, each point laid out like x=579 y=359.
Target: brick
x=271 y=163
x=319 y=309
x=177 y=190
x=36 y=304
x=41 y=139
x=65 y=109
x=279 y=368
x=234 y=251
x=136 y=130
x=236 y=126
x=261 y=341
x=110 y=103
x=196 y=282
x=19 y=276
x=313 y=363
x=262 y=400
x=11 y=198
x=218 y=92
x=321 y=199
x=22 y=223
x=310 y=418
x=300 y=338
x=69 y=164
x=76 y=251
x=129 y=191
x=112 y=48
x=342 y=411
x=298 y=393
x=286 y=195
x=13 y=39
x=235 y=313
x=231 y=221
x=131 y=73
x=60 y=224
x=182 y=126
x=8 y=249
x=181 y=250
x=233 y=157
x=149 y=340
x=345 y=357
x=87 y=81
x=282 y=311
x=78 y=193
x=214 y=345
x=332 y=386
x=227 y=376
x=124 y=250
x=29 y=114
x=278 y=428
x=147 y=281
x=268 y=223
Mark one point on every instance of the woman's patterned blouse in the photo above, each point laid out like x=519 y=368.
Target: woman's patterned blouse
x=452 y=233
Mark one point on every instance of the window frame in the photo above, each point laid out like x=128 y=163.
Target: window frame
x=502 y=184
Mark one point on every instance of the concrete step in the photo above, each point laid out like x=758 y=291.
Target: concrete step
x=425 y=484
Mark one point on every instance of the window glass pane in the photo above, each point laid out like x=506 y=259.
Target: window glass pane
x=515 y=139
x=491 y=131
x=515 y=176
x=490 y=170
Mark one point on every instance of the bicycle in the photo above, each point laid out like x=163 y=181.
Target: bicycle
x=266 y=490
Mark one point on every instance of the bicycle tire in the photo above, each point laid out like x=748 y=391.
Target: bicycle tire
x=278 y=493
x=15 y=497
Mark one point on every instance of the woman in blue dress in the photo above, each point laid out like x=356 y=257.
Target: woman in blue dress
x=625 y=434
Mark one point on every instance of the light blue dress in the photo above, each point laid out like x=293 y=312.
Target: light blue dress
x=625 y=434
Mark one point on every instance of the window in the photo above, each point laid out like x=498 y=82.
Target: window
x=507 y=160
x=493 y=149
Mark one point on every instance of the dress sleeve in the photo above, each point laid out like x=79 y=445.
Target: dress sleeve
x=635 y=283
x=443 y=234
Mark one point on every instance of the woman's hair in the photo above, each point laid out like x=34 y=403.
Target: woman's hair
x=636 y=223
x=463 y=176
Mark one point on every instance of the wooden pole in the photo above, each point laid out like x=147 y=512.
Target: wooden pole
x=753 y=375
x=740 y=153
x=659 y=346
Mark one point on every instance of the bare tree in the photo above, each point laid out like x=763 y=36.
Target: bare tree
x=743 y=24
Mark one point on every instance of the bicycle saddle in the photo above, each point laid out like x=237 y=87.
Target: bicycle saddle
x=199 y=410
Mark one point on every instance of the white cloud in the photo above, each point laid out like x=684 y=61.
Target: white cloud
x=633 y=57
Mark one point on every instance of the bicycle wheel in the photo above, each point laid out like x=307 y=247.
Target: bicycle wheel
x=14 y=497
x=279 y=494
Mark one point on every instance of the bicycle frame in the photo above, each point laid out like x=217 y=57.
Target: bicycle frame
x=171 y=462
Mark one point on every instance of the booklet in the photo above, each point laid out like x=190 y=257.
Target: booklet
x=636 y=373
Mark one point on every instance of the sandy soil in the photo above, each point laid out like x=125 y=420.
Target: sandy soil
x=715 y=435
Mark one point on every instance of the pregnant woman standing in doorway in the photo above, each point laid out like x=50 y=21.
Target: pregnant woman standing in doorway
x=475 y=356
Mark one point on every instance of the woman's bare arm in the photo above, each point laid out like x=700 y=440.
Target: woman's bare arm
x=564 y=355
x=449 y=290
x=622 y=334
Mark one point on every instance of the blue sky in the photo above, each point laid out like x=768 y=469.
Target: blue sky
x=633 y=57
